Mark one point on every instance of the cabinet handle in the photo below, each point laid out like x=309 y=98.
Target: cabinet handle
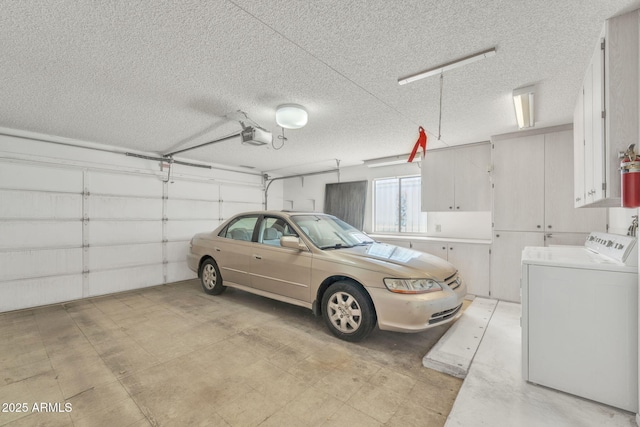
x=450 y=207
x=539 y=226
x=444 y=248
x=548 y=226
x=578 y=199
x=457 y=207
x=497 y=235
x=450 y=249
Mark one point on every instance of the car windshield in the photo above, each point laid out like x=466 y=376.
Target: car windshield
x=328 y=232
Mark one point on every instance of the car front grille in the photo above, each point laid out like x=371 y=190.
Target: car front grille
x=453 y=282
x=444 y=315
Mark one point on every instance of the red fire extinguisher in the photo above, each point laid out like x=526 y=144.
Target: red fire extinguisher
x=630 y=178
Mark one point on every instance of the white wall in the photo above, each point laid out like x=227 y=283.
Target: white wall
x=78 y=222
x=620 y=219
x=308 y=194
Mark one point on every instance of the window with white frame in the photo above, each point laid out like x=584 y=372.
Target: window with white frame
x=396 y=206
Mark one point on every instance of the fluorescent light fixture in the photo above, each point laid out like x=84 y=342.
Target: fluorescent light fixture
x=523 y=103
x=291 y=116
x=448 y=66
x=390 y=161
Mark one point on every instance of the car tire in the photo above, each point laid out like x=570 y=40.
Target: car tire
x=348 y=311
x=210 y=278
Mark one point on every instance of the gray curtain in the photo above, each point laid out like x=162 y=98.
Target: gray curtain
x=346 y=200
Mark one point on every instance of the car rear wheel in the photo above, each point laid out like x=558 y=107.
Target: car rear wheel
x=348 y=311
x=210 y=278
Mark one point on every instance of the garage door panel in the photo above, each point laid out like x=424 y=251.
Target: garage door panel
x=177 y=251
x=124 y=232
x=36 y=177
x=237 y=193
x=124 y=184
x=121 y=256
x=184 y=230
x=192 y=209
x=112 y=207
x=228 y=209
x=18 y=294
x=39 y=263
x=177 y=271
x=40 y=234
x=182 y=189
x=110 y=281
x=39 y=205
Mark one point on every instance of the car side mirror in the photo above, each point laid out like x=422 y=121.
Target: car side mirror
x=293 y=242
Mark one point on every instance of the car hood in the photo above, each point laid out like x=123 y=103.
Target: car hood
x=402 y=262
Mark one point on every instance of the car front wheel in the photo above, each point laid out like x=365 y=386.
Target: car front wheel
x=210 y=278
x=348 y=311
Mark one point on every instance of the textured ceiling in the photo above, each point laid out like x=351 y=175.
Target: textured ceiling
x=160 y=76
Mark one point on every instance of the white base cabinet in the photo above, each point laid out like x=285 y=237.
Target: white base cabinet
x=471 y=259
x=506 y=254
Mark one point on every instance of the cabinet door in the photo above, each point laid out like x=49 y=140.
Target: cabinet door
x=560 y=213
x=472 y=261
x=506 y=255
x=518 y=179
x=564 y=239
x=598 y=159
x=437 y=181
x=471 y=183
x=587 y=102
x=438 y=249
x=578 y=152
x=621 y=93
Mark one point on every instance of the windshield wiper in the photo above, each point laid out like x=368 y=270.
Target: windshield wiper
x=368 y=242
x=336 y=246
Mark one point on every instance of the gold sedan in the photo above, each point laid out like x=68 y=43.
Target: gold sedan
x=320 y=262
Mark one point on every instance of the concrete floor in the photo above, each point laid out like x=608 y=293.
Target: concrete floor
x=172 y=355
x=494 y=393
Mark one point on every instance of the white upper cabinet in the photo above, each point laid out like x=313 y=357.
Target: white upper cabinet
x=457 y=179
x=560 y=214
x=532 y=179
x=606 y=113
x=518 y=178
x=579 y=153
x=437 y=181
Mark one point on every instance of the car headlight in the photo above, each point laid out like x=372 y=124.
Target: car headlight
x=412 y=286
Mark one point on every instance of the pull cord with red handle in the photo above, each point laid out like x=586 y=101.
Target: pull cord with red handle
x=420 y=143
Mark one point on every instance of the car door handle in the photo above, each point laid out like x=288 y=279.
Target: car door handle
x=257 y=257
x=217 y=249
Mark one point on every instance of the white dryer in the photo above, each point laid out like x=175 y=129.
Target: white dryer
x=580 y=319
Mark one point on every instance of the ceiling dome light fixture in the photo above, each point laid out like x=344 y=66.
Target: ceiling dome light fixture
x=291 y=116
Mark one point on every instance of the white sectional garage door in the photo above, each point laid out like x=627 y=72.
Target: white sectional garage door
x=73 y=231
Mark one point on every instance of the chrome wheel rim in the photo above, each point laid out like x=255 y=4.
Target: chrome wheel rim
x=344 y=312
x=209 y=276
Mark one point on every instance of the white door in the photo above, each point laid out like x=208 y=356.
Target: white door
x=472 y=180
x=437 y=181
x=560 y=213
x=518 y=179
x=438 y=249
x=579 y=152
x=506 y=255
x=472 y=261
x=598 y=177
x=565 y=239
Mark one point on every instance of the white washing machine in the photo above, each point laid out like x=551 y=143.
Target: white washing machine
x=580 y=319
